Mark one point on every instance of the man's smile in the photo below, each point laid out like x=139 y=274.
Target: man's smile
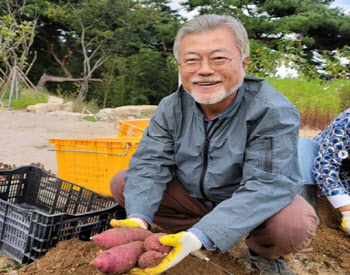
x=207 y=83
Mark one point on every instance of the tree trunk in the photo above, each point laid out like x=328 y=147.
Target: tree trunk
x=50 y=78
x=83 y=90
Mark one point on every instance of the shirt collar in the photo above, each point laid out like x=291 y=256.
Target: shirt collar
x=232 y=106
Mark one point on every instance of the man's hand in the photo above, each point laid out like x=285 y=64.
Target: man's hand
x=346 y=221
x=183 y=244
x=132 y=222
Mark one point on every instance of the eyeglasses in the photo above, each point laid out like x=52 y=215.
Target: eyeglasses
x=217 y=63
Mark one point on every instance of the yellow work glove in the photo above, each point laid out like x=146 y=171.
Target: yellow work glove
x=132 y=222
x=183 y=244
x=346 y=221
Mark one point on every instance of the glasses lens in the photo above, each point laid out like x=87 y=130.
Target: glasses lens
x=215 y=64
x=190 y=68
x=219 y=64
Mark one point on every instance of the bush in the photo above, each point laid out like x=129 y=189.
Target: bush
x=91 y=106
x=318 y=101
x=26 y=98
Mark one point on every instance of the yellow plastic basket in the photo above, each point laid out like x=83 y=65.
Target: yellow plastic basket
x=131 y=128
x=92 y=163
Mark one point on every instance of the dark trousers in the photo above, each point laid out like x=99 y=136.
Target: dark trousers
x=288 y=231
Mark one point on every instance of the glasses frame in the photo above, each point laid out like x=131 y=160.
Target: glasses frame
x=209 y=63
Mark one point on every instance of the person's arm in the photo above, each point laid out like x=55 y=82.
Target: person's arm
x=334 y=143
x=270 y=178
x=327 y=165
x=344 y=208
x=150 y=168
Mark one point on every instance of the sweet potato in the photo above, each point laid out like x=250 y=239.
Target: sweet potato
x=152 y=243
x=150 y=259
x=120 y=235
x=119 y=259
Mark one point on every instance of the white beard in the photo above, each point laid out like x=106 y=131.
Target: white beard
x=209 y=99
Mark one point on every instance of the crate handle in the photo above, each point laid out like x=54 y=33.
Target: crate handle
x=22 y=210
x=128 y=132
x=49 y=148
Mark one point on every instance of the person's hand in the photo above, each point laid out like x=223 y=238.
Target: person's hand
x=346 y=221
x=183 y=244
x=132 y=222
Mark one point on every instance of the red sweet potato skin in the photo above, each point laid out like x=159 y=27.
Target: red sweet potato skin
x=152 y=243
x=120 y=235
x=150 y=259
x=119 y=259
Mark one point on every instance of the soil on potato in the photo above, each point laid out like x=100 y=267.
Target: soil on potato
x=329 y=253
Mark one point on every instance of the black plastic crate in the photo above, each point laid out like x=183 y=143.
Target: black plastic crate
x=38 y=210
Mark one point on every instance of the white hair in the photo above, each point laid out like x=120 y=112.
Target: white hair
x=210 y=22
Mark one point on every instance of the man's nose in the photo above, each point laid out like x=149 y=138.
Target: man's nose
x=205 y=68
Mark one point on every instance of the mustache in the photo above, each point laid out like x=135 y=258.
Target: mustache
x=205 y=79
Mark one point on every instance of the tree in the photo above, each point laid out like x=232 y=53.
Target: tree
x=89 y=24
x=311 y=22
x=16 y=38
x=271 y=20
x=76 y=38
x=145 y=71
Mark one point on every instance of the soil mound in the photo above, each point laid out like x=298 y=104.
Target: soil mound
x=328 y=254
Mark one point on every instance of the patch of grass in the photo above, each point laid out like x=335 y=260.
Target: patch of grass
x=91 y=118
x=27 y=98
x=91 y=106
x=147 y=113
x=318 y=101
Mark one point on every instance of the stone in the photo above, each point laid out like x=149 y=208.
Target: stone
x=134 y=111
x=43 y=108
x=55 y=100
x=68 y=106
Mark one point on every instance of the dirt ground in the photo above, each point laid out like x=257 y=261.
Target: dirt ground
x=328 y=254
x=24 y=138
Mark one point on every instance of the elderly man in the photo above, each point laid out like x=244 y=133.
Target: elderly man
x=219 y=158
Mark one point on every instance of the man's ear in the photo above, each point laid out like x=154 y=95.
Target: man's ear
x=245 y=62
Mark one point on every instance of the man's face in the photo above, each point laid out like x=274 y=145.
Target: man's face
x=206 y=85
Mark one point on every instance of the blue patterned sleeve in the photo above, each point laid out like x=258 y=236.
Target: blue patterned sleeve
x=334 y=144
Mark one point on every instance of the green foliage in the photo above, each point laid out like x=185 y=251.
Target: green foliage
x=27 y=98
x=91 y=106
x=311 y=21
x=263 y=61
x=268 y=20
x=138 y=36
x=121 y=28
x=78 y=106
x=91 y=118
x=334 y=67
x=317 y=101
x=15 y=39
x=143 y=78
x=295 y=57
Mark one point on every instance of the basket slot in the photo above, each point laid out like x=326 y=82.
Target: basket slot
x=12 y=188
x=76 y=204
x=64 y=191
x=31 y=186
x=15 y=224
